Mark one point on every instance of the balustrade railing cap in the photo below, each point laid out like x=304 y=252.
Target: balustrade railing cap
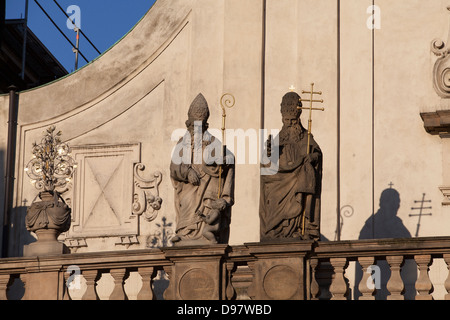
x=196 y=251
x=389 y=246
x=280 y=247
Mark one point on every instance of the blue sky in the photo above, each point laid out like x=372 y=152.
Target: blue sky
x=103 y=21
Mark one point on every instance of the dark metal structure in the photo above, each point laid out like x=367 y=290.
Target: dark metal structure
x=40 y=65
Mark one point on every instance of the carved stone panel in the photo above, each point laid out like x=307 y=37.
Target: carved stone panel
x=103 y=191
x=277 y=274
x=196 y=272
x=196 y=284
x=279 y=279
x=281 y=282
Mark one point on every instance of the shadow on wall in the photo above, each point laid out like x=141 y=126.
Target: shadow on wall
x=159 y=239
x=386 y=224
x=18 y=235
x=22 y=237
x=2 y=192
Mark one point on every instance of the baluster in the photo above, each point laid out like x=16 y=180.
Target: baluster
x=368 y=291
x=230 y=292
x=447 y=281
x=169 y=293
x=315 y=288
x=5 y=282
x=423 y=284
x=147 y=275
x=91 y=276
x=251 y=291
x=395 y=284
x=339 y=286
x=119 y=276
x=24 y=277
x=66 y=295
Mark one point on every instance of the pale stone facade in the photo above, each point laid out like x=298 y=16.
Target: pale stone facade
x=122 y=109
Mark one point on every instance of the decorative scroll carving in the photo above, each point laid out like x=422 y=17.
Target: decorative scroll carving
x=145 y=202
x=441 y=71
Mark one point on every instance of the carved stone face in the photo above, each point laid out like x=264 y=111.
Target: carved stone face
x=291 y=130
x=190 y=125
x=290 y=120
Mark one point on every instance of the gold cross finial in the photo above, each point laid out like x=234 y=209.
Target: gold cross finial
x=310 y=108
x=292 y=88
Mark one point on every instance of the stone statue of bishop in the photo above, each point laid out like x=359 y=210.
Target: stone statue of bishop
x=290 y=198
x=203 y=210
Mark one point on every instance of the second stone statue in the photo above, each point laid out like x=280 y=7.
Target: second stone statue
x=203 y=181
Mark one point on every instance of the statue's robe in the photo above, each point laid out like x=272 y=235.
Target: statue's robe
x=294 y=189
x=190 y=199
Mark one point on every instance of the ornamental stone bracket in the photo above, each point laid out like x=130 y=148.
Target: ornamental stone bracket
x=75 y=244
x=437 y=123
x=146 y=199
x=127 y=241
x=446 y=192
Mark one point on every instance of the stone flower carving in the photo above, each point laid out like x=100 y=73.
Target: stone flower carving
x=50 y=169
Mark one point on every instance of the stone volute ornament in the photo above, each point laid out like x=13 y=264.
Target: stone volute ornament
x=441 y=70
x=50 y=170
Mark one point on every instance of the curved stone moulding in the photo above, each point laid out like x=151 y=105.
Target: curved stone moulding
x=148 y=39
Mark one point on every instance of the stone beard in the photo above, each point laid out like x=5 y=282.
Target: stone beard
x=295 y=189
x=201 y=215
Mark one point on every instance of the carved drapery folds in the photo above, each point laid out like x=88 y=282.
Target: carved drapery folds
x=146 y=202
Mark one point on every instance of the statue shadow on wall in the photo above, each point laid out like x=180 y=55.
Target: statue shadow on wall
x=386 y=224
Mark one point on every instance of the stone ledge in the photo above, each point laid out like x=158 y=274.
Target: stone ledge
x=380 y=247
x=436 y=123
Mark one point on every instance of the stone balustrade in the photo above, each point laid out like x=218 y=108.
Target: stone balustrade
x=391 y=262
x=391 y=269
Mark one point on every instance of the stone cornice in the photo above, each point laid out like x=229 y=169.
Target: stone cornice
x=437 y=123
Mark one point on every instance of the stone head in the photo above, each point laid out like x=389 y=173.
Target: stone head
x=290 y=112
x=198 y=112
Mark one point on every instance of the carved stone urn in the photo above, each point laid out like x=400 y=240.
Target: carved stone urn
x=50 y=169
x=47 y=218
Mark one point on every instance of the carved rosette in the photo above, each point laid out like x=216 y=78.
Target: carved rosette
x=146 y=199
x=441 y=70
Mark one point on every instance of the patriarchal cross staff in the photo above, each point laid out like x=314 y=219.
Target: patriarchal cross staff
x=310 y=108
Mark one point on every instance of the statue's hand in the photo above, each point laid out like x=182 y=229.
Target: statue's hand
x=193 y=177
x=219 y=204
x=201 y=215
x=311 y=158
x=269 y=146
